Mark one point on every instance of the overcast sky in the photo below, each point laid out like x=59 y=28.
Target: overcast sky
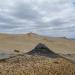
x=46 y=17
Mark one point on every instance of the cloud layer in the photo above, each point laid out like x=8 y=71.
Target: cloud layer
x=47 y=17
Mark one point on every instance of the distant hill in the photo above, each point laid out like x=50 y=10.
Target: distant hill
x=73 y=38
x=26 y=42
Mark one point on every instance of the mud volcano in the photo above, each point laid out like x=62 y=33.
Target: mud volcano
x=43 y=50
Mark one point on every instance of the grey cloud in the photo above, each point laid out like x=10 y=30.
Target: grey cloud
x=56 y=17
x=25 y=11
x=7 y=26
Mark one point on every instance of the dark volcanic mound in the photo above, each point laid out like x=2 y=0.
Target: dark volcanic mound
x=43 y=50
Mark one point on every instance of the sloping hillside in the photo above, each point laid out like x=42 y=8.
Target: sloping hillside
x=26 y=42
x=36 y=65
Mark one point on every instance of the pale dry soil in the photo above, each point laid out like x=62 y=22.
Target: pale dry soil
x=36 y=65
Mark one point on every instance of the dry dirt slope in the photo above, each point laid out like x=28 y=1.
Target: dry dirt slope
x=36 y=65
x=26 y=42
